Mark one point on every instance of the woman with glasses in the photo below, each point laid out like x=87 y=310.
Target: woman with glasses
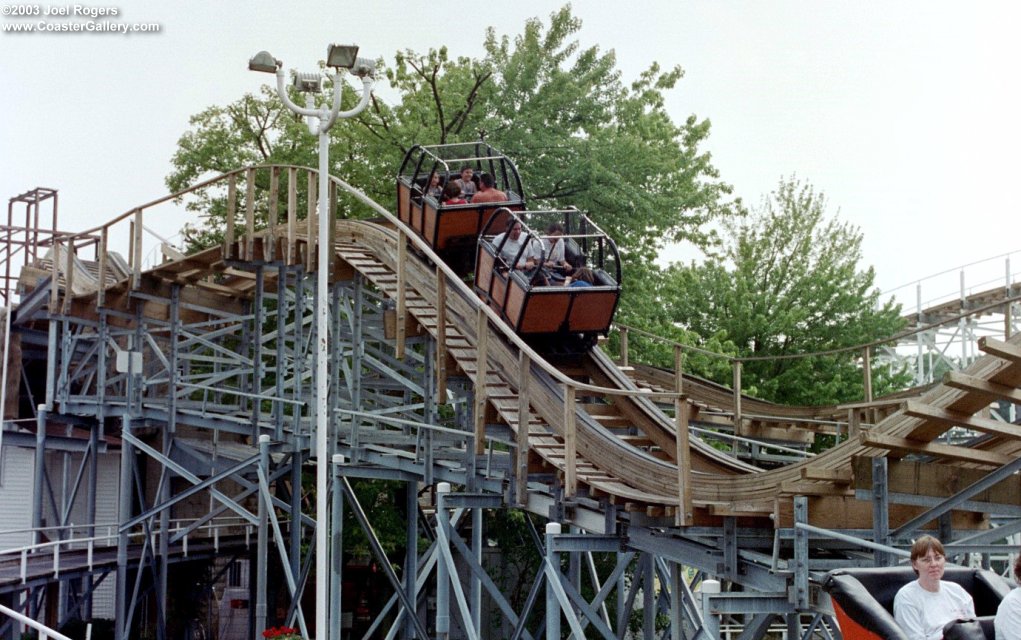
x=923 y=606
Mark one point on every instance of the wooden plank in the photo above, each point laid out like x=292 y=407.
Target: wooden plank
x=273 y=213
x=1000 y=349
x=402 y=295
x=789 y=434
x=104 y=237
x=570 y=442
x=482 y=362
x=521 y=436
x=311 y=228
x=441 y=336
x=949 y=452
x=935 y=480
x=838 y=476
x=684 y=516
x=292 y=213
x=808 y=488
x=760 y=508
x=232 y=196
x=249 y=213
x=69 y=269
x=841 y=512
x=136 y=270
x=966 y=382
x=951 y=419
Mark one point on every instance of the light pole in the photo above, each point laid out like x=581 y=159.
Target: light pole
x=319 y=122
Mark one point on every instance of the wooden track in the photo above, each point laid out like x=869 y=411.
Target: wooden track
x=630 y=474
x=611 y=442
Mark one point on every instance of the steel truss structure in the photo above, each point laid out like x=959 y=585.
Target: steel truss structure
x=201 y=372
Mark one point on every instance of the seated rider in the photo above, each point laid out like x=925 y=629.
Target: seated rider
x=517 y=252
x=433 y=188
x=582 y=277
x=452 y=194
x=466 y=183
x=923 y=606
x=488 y=191
x=556 y=263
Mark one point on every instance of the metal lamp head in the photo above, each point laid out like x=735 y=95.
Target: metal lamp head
x=341 y=56
x=264 y=62
x=364 y=67
x=308 y=82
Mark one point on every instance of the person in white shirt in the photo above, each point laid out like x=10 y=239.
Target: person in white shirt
x=1008 y=614
x=512 y=245
x=923 y=606
x=556 y=260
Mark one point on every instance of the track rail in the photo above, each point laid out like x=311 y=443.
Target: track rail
x=601 y=432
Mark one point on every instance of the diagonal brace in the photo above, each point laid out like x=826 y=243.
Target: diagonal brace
x=948 y=505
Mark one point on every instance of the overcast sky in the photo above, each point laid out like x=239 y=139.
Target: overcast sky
x=906 y=114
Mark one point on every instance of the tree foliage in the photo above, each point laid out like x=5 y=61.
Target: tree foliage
x=787 y=282
x=560 y=110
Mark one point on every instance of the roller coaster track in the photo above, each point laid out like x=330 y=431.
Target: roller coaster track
x=609 y=465
x=580 y=430
x=612 y=442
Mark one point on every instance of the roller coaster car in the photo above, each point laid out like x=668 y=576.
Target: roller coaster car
x=863 y=601
x=452 y=230
x=535 y=302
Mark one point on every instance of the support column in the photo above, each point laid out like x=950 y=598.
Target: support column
x=411 y=558
x=90 y=516
x=476 y=583
x=710 y=623
x=169 y=433
x=793 y=625
x=295 y=527
x=279 y=366
x=123 y=515
x=880 y=509
x=442 y=575
x=357 y=343
x=161 y=543
x=262 y=543
x=622 y=604
x=552 y=605
x=648 y=598
x=337 y=555
x=676 y=602
x=258 y=320
x=39 y=478
x=800 y=553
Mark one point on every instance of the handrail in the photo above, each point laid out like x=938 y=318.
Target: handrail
x=97 y=525
x=950 y=270
x=829 y=352
x=43 y=631
x=112 y=535
x=182 y=192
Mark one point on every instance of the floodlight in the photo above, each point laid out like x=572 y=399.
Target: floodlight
x=364 y=67
x=341 y=55
x=308 y=82
x=264 y=62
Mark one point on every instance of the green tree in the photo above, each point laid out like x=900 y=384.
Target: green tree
x=581 y=137
x=788 y=282
x=578 y=135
